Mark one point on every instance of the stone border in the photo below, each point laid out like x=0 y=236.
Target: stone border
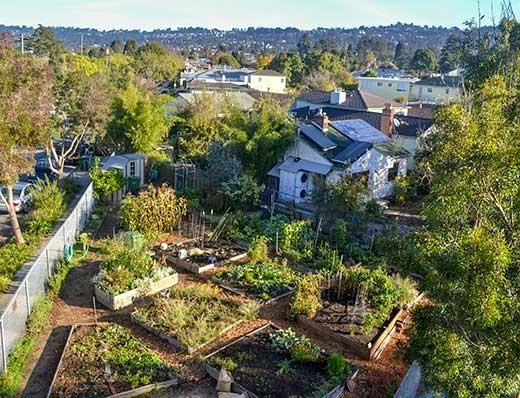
x=127 y=298
x=173 y=340
x=124 y=394
x=336 y=392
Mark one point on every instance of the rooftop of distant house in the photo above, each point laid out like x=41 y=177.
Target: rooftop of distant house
x=441 y=81
x=352 y=99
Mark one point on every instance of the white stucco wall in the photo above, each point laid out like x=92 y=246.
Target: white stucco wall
x=268 y=84
x=386 y=87
x=434 y=94
x=304 y=151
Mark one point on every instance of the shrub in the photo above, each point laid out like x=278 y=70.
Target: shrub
x=307 y=296
x=283 y=339
x=223 y=363
x=373 y=208
x=105 y=182
x=297 y=240
x=404 y=190
x=48 y=202
x=329 y=260
x=337 y=369
x=243 y=193
x=154 y=211
x=258 y=250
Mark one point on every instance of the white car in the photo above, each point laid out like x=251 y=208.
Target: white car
x=21 y=196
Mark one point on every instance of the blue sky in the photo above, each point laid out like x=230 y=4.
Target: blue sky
x=150 y=14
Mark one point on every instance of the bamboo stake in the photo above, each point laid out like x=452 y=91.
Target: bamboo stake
x=95 y=312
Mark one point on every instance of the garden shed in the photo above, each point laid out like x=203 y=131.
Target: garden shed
x=131 y=166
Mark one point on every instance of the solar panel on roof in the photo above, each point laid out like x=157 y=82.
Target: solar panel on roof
x=352 y=152
x=317 y=136
x=359 y=130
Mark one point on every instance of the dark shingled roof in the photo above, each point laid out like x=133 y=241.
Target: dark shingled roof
x=441 y=81
x=410 y=126
x=352 y=153
x=355 y=99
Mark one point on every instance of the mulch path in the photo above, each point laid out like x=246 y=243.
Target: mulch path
x=75 y=305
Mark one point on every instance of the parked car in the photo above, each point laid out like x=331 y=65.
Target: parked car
x=21 y=196
x=42 y=168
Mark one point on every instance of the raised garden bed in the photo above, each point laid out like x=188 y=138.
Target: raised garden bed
x=260 y=370
x=104 y=360
x=118 y=301
x=359 y=308
x=198 y=257
x=264 y=282
x=193 y=316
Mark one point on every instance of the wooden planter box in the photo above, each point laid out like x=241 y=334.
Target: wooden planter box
x=176 y=343
x=125 y=394
x=336 y=392
x=198 y=269
x=371 y=350
x=243 y=292
x=127 y=298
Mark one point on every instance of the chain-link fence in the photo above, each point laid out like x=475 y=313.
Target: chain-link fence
x=30 y=282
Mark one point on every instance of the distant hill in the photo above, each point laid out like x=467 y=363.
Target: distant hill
x=252 y=39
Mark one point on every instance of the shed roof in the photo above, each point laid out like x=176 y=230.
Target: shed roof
x=294 y=165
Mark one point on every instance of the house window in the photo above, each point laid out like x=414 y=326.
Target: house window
x=259 y=79
x=283 y=80
x=132 y=169
x=304 y=178
x=362 y=176
x=379 y=84
x=430 y=90
x=303 y=193
x=447 y=91
x=401 y=87
x=393 y=172
x=389 y=84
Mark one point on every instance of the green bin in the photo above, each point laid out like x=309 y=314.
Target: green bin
x=134 y=183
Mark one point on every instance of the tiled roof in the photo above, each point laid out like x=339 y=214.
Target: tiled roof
x=267 y=72
x=355 y=99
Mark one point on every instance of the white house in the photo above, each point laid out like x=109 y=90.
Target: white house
x=390 y=88
x=267 y=81
x=327 y=150
x=437 y=90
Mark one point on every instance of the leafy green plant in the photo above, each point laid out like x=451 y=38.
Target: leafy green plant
x=283 y=339
x=243 y=193
x=264 y=279
x=154 y=211
x=337 y=369
x=105 y=182
x=297 y=240
x=405 y=190
x=223 y=363
x=307 y=296
x=258 y=251
x=285 y=367
x=127 y=265
x=303 y=350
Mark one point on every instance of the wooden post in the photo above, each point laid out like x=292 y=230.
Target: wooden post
x=95 y=312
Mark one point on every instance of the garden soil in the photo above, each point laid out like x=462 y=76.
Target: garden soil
x=75 y=305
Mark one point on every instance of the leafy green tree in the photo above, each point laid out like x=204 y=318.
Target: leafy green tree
x=43 y=42
x=82 y=106
x=262 y=138
x=156 y=63
x=138 y=121
x=226 y=58
x=243 y=193
x=451 y=54
x=223 y=165
x=105 y=182
x=130 y=47
x=466 y=337
x=291 y=65
x=25 y=107
x=117 y=46
x=304 y=45
x=424 y=61
x=401 y=56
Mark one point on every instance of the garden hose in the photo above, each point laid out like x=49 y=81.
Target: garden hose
x=68 y=252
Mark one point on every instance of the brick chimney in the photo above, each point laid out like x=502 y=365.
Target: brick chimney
x=322 y=120
x=387 y=120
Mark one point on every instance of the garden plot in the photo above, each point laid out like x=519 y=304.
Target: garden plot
x=193 y=315
x=357 y=307
x=128 y=273
x=266 y=282
x=198 y=256
x=106 y=361
x=275 y=363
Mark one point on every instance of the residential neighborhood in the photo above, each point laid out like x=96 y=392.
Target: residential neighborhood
x=224 y=201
